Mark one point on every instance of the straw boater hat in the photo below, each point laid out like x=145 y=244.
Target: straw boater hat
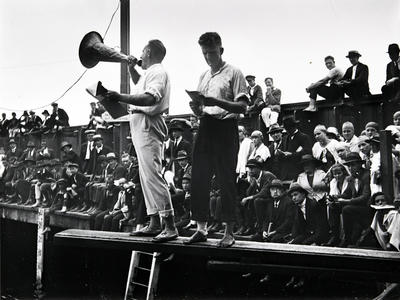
x=111 y=156
x=97 y=137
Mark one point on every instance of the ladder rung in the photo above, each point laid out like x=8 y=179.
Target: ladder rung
x=138 y=283
x=145 y=253
x=141 y=268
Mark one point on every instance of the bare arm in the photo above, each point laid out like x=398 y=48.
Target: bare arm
x=138 y=100
x=238 y=107
x=318 y=83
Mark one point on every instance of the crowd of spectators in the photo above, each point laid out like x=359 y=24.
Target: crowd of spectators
x=32 y=123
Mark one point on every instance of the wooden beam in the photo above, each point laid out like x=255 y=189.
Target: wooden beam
x=125 y=32
x=301 y=256
x=386 y=164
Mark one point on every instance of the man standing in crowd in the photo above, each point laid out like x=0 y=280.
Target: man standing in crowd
x=391 y=89
x=355 y=81
x=3 y=126
x=326 y=87
x=86 y=152
x=148 y=102
x=222 y=95
x=256 y=101
x=270 y=112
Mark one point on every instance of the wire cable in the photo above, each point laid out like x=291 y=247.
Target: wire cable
x=74 y=83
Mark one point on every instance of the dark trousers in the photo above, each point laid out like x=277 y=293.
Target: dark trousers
x=391 y=91
x=354 y=215
x=98 y=220
x=261 y=210
x=332 y=92
x=111 y=222
x=215 y=152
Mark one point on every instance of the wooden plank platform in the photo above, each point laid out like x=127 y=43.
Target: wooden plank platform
x=71 y=220
x=378 y=264
x=20 y=213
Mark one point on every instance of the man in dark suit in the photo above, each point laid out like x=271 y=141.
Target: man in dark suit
x=59 y=116
x=353 y=204
x=178 y=143
x=258 y=188
x=273 y=163
x=274 y=214
x=30 y=152
x=310 y=221
x=355 y=81
x=69 y=155
x=13 y=151
x=3 y=126
x=294 y=145
x=256 y=103
x=99 y=149
x=75 y=190
x=86 y=152
x=391 y=89
x=44 y=152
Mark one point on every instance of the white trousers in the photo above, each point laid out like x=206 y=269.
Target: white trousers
x=269 y=117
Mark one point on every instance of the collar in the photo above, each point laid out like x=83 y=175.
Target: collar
x=220 y=70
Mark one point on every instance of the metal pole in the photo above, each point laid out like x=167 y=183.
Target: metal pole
x=125 y=32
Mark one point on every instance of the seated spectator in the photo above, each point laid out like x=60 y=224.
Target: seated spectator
x=59 y=118
x=47 y=122
x=23 y=122
x=312 y=179
x=326 y=87
x=76 y=182
x=69 y=155
x=61 y=194
x=99 y=149
x=86 y=152
x=34 y=122
x=4 y=126
x=385 y=223
x=185 y=218
x=13 y=152
x=275 y=215
x=96 y=120
x=44 y=152
x=29 y=153
x=310 y=224
x=107 y=203
x=256 y=102
x=349 y=137
x=342 y=149
x=365 y=151
x=391 y=89
x=294 y=145
x=259 y=188
x=395 y=128
x=42 y=176
x=375 y=167
x=245 y=148
x=273 y=162
x=260 y=151
x=337 y=186
x=355 y=81
x=324 y=149
x=371 y=129
x=13 y=125
x=270 y=112
x=122 y=209
x=354 y=201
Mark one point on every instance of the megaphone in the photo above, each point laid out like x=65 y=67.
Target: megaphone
x=92 y=50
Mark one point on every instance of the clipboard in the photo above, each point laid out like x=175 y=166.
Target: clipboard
x=115 y=109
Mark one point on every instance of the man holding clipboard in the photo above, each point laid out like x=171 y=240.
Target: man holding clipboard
x=220 y=97
x=148 y=101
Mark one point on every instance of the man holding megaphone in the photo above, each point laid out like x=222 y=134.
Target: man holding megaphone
x=146 y=104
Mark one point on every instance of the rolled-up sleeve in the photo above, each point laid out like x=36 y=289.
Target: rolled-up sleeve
x=155 y=84
x=239 y=87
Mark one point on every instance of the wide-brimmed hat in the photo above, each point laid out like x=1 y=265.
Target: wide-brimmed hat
x=30 y=144
x=182 y=154
x=45 y=112
x=64 y=144
x=308 y=158
x=250 y=77
x=353 y=157
x=253 y=163
x=276 y=183
x=353 y=53
x=294 y=186
x=275 y=128
x=290 y=120
x=393 y=47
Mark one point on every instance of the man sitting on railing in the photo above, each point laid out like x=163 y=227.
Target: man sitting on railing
x=355 y=81
x=391 y=89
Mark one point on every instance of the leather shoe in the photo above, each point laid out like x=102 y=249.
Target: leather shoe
x=146 y=231
x=226 y=241
x=197 y=237
x=165 y=236
x=265 y=279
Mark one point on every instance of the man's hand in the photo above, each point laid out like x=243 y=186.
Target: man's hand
x=132 y=61
x=245 y=200
x=113 y=96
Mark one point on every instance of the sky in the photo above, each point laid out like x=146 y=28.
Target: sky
x=283 y=39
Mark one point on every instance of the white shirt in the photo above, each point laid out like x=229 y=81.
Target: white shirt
x=302 y=207
x=262 y=152
x=155 y=81
x=243 y=155
x=353 y=72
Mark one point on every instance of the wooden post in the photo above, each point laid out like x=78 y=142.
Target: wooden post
x=386 y=164
x=41 y=231
x=125 y=32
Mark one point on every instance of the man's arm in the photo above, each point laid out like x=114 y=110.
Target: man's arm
x=318 y=83
x=138 y=100
x=238 y=107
